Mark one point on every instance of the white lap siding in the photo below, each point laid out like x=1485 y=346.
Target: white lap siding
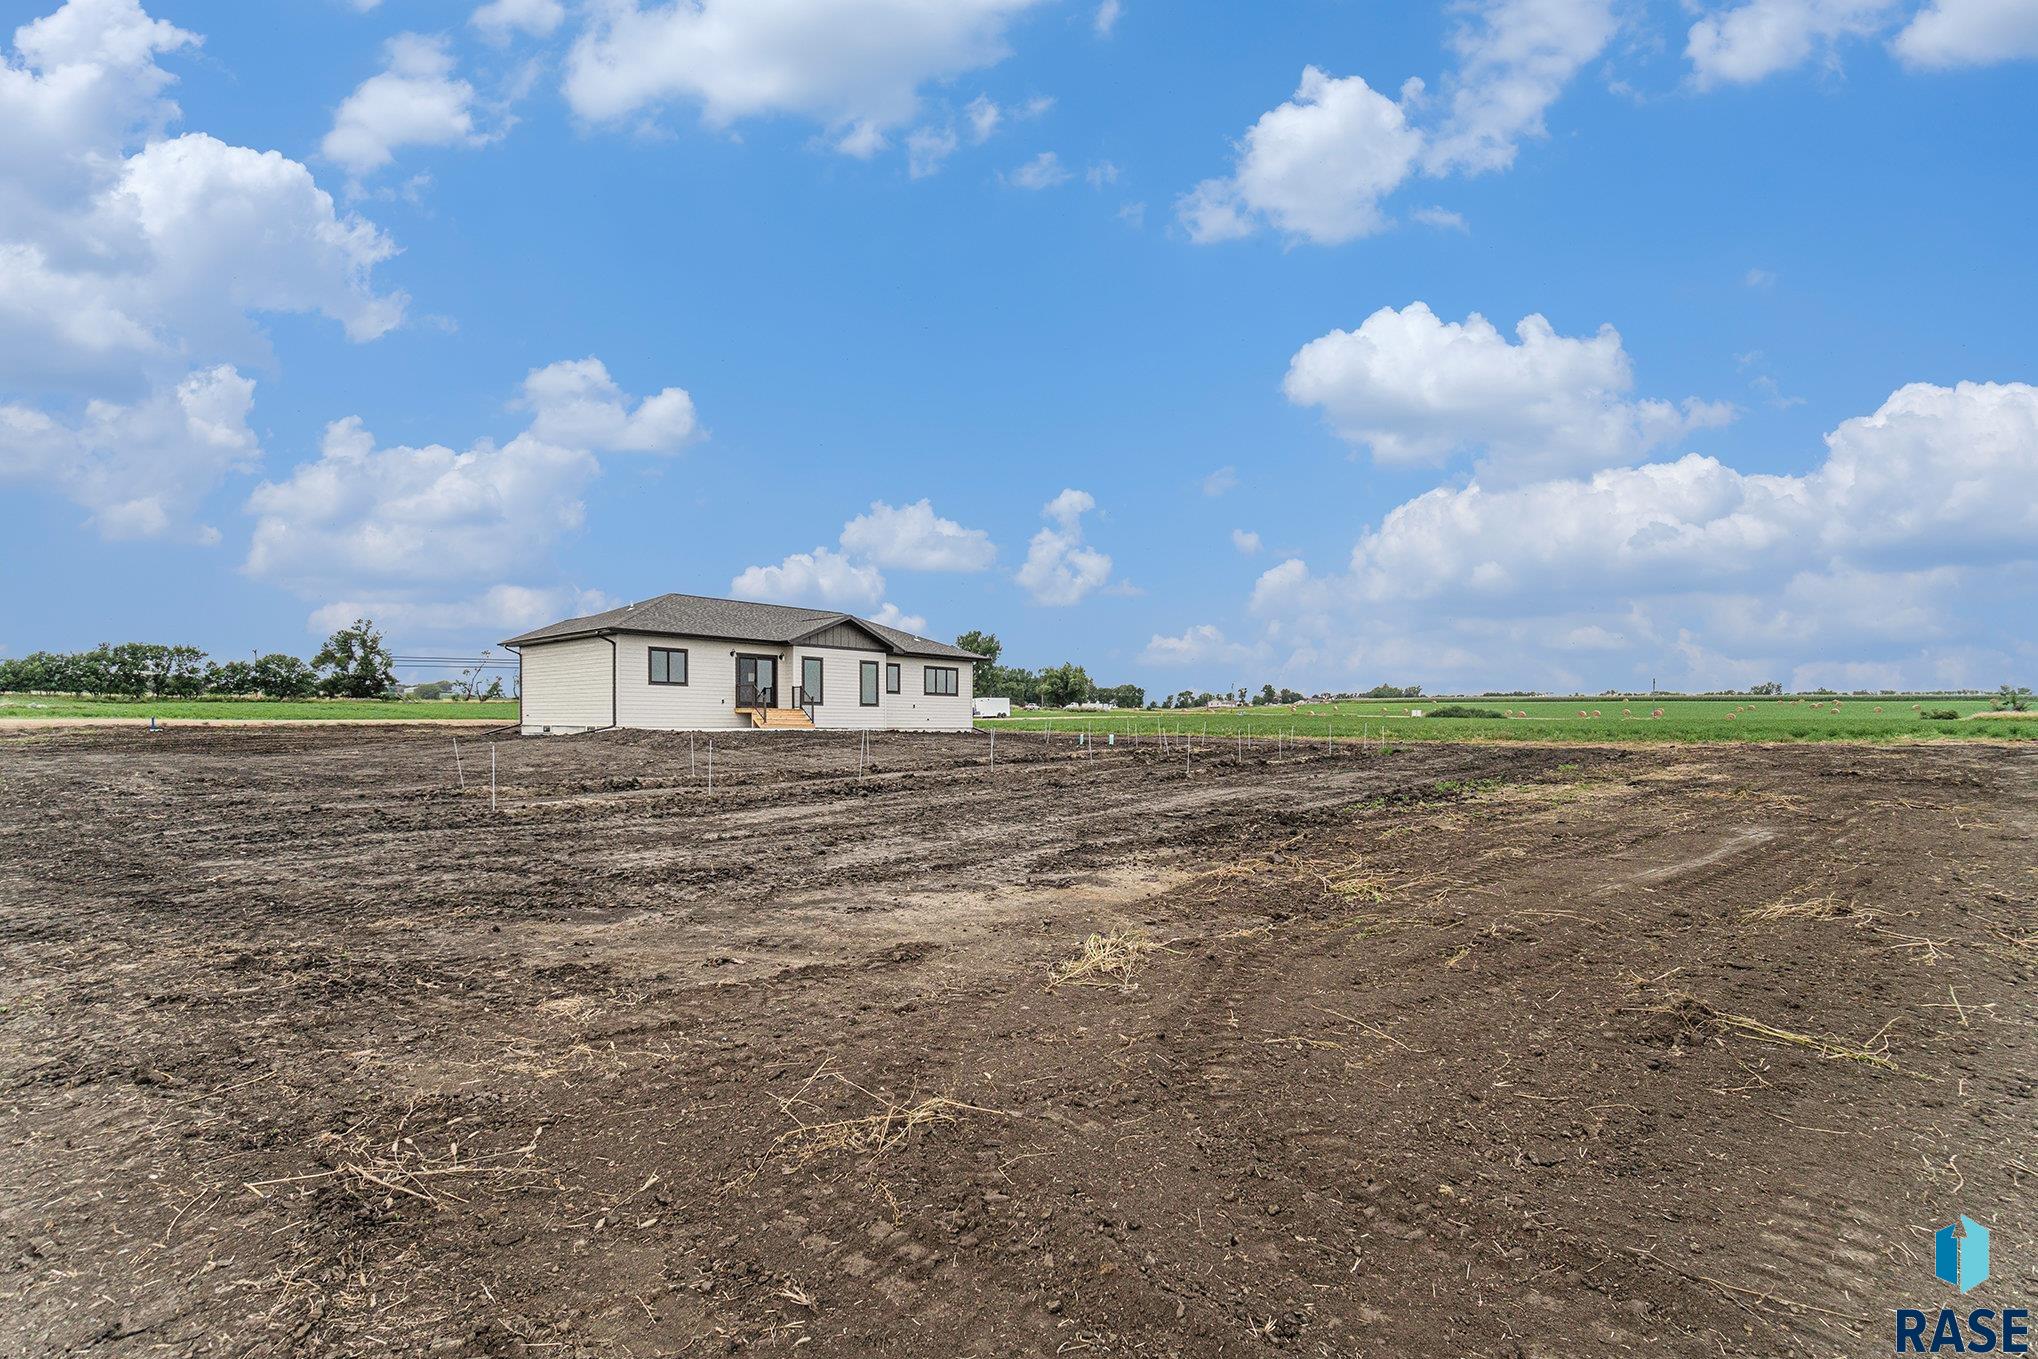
x=911 y=709
x=565 y=686
x=707 y=701
x=916 y=709
x=840 y=686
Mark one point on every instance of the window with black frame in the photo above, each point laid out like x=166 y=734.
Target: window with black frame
x=942 y=681
x=668 y=665
x=892 y=677
x=866 y=694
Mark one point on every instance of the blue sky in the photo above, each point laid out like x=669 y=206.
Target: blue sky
x=1684 y=342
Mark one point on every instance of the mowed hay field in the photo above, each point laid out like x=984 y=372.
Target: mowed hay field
x=1900 y=718
x=1432 y=1049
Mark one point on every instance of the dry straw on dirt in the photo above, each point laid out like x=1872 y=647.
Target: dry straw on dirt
x=1107 y=959
x=1702 y=1014
x=865 y=1135
x=868 y=1134
x=1827 y=907
x=404 y=1167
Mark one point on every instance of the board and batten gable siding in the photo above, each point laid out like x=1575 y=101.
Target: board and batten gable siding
x=843 y=636
x=566 y=686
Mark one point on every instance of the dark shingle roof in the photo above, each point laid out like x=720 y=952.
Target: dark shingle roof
x=734 y=619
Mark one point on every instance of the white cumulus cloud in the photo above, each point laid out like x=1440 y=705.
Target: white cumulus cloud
x=1515 y=58
x=416 y=100
x=854 y=66
x=1904 y=549
x=928 y=149
x=577 y=404
x=820 y=577
x=1044 y=171
x=232 y=230
x=133 y=265
x=484 y=614
x=142 y=470
x=1204 y=644
x=929 y=146
x=122 y=246
x=362 y=515
x=984 y=116
x=908 y=537
x=914 y=538
x=1060 y=568
x=80 y=84
x=450 y=533
x=1320 y=167
x=1315 y=167
x=891 y=616
x=500 y=20
x=1947 y=33
x=1752 y=40
x=1411 y=387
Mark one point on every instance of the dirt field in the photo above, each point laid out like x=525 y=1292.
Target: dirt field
x=1495 y=1050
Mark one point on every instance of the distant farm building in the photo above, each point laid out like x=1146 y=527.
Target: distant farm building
x=692 y=663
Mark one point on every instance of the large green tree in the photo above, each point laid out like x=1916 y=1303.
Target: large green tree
x=283 y=676
x=985 y=644
x=1065 y=684
x=354 y=663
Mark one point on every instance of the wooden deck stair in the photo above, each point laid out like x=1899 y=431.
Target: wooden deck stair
x=779 y=719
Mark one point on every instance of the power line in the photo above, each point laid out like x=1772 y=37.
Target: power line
x=428 y=663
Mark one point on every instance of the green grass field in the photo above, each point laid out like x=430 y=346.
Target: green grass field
x=1685 y=719
x=252 y=709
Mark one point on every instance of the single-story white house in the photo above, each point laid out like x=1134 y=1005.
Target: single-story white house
x=691 y=663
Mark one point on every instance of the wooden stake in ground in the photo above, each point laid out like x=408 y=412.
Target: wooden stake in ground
x=457 y=770
x=491 y=776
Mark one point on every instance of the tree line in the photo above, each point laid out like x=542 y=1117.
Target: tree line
x=1061 y=685
x=353 y=663
x=1269 y=696
x=1054 y=687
